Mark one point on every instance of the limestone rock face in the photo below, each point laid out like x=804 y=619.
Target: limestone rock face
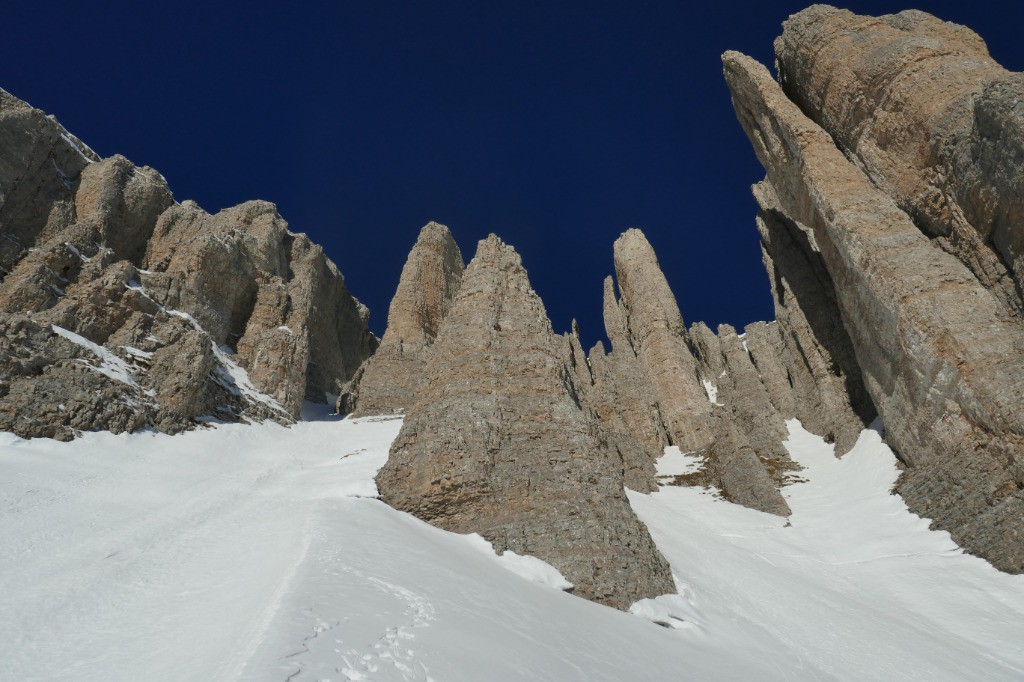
x=498 y=443
x=159 y=311
x=391 y=378
x=737 y=470
x=940 y=351
x=38 y=167
x=269 y=294
x=932 y=120
x=626 y=411
x=654 y=329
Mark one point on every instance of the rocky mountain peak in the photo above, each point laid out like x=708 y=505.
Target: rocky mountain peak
x=497 y=443
x=890 y=227
x=167 y=315
x=656 y=332
x=430 y=279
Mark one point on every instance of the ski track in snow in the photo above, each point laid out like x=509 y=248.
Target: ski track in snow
x=258 y=552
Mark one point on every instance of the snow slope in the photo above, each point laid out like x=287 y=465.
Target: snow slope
x=853 y=586
x=258 y=552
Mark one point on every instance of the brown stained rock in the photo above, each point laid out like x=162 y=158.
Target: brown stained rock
x=123 y=202
x=650 y=316
x=308 y=322
x=39 y=166
x=931 y=118
x=97 y=247
x=496 y=443
x=269 y=294
x=942 y=362
x=391 y=378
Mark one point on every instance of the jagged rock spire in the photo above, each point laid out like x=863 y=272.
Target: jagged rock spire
x=656 y=333
x=430 y=279
x=390 y=379
x=497 y=443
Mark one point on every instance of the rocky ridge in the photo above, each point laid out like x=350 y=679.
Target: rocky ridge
x=881 y=307
x=515 y=433
x=120 y=308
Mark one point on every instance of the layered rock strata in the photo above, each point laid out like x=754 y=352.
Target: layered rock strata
x=932 y=120
x=497 y=442
x=121 y=308
x=389 y=380
x=808 y=337
x=937 y=340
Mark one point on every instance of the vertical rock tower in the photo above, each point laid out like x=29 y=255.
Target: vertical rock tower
x=498 y=443
x=390 y=380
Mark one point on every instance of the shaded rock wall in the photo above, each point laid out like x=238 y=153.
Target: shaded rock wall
x=929 y=116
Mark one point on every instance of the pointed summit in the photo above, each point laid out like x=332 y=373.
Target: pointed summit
x=497 y=443
x=429 y=282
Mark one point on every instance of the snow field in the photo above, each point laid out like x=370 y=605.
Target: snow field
x=259 y=552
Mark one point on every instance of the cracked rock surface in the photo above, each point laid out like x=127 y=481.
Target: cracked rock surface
x=120 y=308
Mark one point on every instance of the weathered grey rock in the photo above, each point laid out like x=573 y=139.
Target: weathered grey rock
x=38 y=168
x=742 y=390
x=828 y=392
x=742 y=445
x=51 y=386
x=391 y=378
x=123 y=202
x=930 y=117
x=496 y=443
x=763 y=342
x=614 y=391
x=941 y=360
x=650 y=316
x=190 y=301
x=625 y=398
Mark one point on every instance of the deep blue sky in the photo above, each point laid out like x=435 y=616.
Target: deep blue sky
x=556 y=125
